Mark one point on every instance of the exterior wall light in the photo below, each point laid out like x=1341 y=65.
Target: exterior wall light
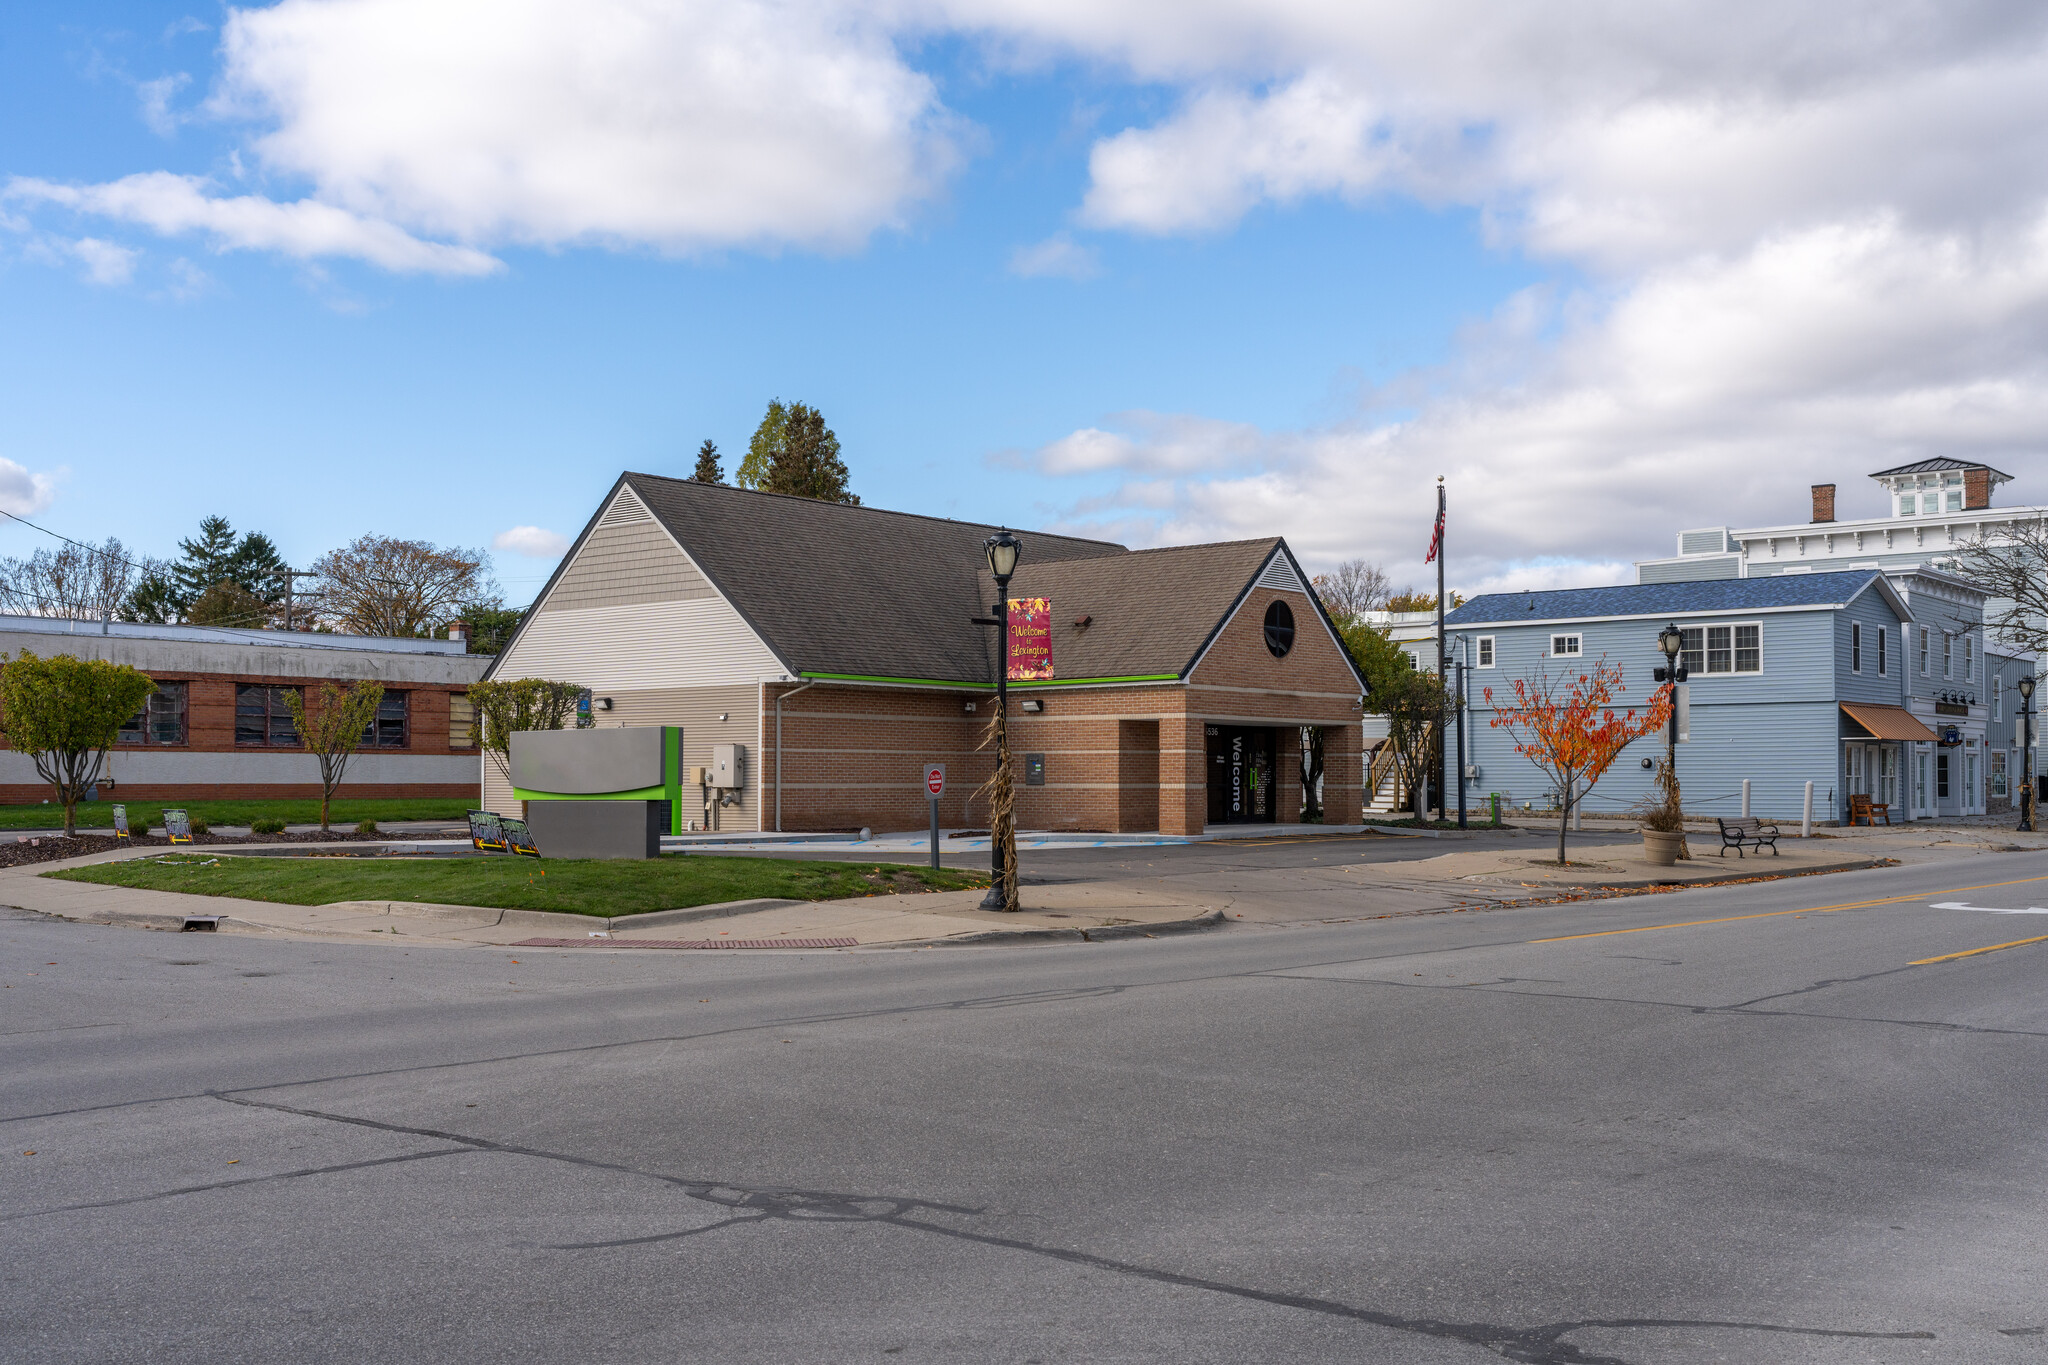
x=1035 y=707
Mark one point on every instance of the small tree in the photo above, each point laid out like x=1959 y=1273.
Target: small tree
x=2012 y=566
x=1412 y=703
x=1311 y=774
x=767 y=439
x=333 y=729
x=708 y=468
x=505 y=708
x=65 y=714
x=490 y=625
x=1567 y=727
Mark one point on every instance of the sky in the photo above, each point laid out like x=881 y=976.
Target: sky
x=1157 y=272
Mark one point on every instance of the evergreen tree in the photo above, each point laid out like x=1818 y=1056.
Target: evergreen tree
x=153 y=599
x=753 y=470
x=206 y=559
x=257 y=566
x=807 y=463
x=708 y=468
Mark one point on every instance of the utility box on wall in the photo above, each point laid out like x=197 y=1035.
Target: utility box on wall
x=728 y=767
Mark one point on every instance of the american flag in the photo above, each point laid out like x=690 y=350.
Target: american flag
x=1436 y=538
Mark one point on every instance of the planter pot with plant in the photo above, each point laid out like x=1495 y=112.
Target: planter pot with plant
x=1663 y=821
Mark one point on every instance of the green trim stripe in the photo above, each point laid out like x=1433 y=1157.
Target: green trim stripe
x=672 y=774
x=984 y=687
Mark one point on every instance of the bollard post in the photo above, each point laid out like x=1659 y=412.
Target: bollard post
x=1578 y=800
x=935 y=833
x=1806 y=815
x=1745 y=798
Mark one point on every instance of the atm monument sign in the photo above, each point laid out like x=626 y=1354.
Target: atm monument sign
x=1030 y=639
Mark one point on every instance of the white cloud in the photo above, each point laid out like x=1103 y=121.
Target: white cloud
x=105 y=262
x=1058 y=256
x=24 y=493
x=531 y=541
x=176 y=204
x=678 y=126
x=155 y=97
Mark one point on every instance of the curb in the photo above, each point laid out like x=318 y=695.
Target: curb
x=652 y=919
x=991 y=937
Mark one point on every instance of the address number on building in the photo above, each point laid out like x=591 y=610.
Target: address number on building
x=935 y=779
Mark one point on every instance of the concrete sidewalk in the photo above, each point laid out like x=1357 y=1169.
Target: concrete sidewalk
x=1055 y=912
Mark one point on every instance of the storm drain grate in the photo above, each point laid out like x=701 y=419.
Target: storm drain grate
x=688 y=943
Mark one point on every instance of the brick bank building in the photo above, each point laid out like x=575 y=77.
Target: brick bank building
x=837 y=645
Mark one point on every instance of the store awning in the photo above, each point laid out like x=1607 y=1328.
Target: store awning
x=1890 y=722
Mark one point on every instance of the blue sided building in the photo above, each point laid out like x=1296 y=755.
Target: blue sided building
x=1859 y=681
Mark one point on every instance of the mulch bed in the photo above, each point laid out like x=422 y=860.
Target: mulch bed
x=49 y=848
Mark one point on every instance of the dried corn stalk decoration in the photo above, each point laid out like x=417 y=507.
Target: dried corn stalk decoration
x=1001 y=792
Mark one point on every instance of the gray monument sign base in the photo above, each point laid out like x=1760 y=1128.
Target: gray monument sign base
x=598 y=829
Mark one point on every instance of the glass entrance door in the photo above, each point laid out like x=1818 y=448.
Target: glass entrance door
x=1241 y=772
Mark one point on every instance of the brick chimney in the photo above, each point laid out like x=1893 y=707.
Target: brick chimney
x=1823 y=502
x=1976 y=489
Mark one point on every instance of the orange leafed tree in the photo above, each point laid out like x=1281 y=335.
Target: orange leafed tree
x=1568 y=727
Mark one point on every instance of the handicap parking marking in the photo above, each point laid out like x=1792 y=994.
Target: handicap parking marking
x=1987 y=909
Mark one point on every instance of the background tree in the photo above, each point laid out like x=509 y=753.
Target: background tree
x=1352 y=589
x=2013 y=567
x=153 y=599
x=490 y=625
x=807 y=464
x=333 y=728
x=228 y=603
x=753 y=470
x=1567 y=727
x=217 y=555
x=65 y=713
x=1311 y=774
x=380 y=585
x=1410 y=600
x=708 y=468
x=1412 y=703
x=505 y=708
x=72 y=582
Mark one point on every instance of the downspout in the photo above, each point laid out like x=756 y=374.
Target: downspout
x=779 y=697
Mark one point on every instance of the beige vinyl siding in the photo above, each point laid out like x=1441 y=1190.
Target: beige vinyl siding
x=697 y=710
x=649 y=644
x=623 y=565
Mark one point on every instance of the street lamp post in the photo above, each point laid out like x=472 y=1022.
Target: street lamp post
x=1672 y=641
x=2026 y=686
x=1003 y=549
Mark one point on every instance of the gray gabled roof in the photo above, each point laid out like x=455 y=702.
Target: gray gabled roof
x=1658 y=599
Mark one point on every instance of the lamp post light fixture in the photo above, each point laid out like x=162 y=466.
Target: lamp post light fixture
x=1003 y=551
x=2026 y=687
x=1671 y=640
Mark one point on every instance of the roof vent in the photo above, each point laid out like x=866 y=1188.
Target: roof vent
x=626 y=509
x=1279 y=575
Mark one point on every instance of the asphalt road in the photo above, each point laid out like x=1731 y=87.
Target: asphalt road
x=1769 y=1130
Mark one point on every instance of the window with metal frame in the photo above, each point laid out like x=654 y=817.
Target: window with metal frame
x=161 y=719
x=262 y=718
x=390 y=729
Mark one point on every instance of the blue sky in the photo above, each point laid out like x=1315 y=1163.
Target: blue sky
x=1297 y=267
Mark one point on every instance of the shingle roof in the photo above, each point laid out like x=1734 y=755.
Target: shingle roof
x=1657 y=599
x=1939 y=464
x=1150 y=611
x=838 y=589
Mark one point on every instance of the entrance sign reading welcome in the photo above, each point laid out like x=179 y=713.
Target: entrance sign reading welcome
x=1030 y=638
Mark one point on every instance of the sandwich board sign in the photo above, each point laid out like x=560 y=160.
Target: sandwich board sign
x=178 y=825
x=486 y=833
x=121 y=822
x=518 y=839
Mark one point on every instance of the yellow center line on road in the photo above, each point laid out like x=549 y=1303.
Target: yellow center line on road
x=1806 y=910
x=1972 y=952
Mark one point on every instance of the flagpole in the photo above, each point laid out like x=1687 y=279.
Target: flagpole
x=1442 y=675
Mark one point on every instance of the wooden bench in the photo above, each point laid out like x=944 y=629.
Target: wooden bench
x=1864 y=811
x=1747 y=833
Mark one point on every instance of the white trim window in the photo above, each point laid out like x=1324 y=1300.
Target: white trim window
x=1855 y=646
x=1567 y=646
x=1483 y=651
x=1999 y=786
x=1948 y=655
x=1882 y=635
x=1969 y=658
x=1998 y=699
x=1923 y=651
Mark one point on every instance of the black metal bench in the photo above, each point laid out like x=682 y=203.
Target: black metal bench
x=1747 y=833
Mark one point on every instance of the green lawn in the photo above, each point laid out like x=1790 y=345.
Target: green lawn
x=344 y=814
x=670 y=882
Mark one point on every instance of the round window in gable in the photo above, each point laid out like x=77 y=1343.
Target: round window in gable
x=1279 y=629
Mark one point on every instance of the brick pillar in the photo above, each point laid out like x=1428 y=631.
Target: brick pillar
x=1183 y=781
x=1343 y=775
x=1976 y=489
x=1823 y=502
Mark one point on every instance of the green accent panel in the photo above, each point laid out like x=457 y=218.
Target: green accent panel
x=984 y=687
x=643 y=794
x=672 y=774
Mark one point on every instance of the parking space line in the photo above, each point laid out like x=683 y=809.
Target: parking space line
x=1972 y=952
